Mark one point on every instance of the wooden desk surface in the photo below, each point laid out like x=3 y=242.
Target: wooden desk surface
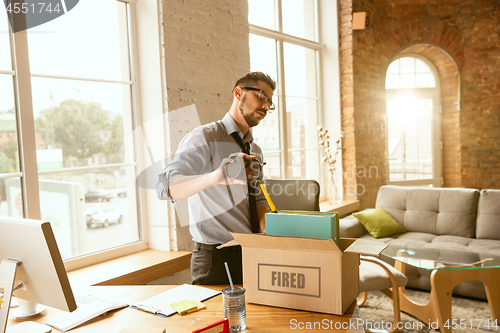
x=264 y=319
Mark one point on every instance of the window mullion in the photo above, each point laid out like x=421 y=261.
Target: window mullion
x=26 y=127
x=282 y=110
x=279 y=16
x=136 y=116
x=264 y=32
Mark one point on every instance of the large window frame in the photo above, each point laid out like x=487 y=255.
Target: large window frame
x=144 y=37
x=280 y=39
x=434 y=94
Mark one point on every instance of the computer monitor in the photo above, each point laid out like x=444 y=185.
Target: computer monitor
x=30 y=261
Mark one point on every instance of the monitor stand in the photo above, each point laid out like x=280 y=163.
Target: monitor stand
x=8 y=268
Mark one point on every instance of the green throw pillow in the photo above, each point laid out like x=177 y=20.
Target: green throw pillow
x=379 y=223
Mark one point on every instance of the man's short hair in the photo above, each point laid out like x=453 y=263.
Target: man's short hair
x=252 y=78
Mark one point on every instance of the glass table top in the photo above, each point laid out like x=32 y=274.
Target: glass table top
x=431 y=259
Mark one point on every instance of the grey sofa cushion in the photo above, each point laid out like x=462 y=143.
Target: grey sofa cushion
x=392 y=199
x=488 y=215
x=456 y=243
x=416 y=239
x=351 y=228
x=439 y=211
x=457 y=212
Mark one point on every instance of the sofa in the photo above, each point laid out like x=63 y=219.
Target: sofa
x=441 y=218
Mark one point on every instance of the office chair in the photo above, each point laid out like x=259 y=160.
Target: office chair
x=374 y=274
x=294 y=194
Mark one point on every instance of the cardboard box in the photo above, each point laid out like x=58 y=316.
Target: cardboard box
x=303 y=273
x=303 y=224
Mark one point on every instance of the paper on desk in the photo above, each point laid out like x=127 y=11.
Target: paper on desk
x=160 y=304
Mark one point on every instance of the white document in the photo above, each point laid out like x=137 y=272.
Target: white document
x=82 y=314
x=160 y=304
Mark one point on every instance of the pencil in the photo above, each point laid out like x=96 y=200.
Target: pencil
x=268 y=198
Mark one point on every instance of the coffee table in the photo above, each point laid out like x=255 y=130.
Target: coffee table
x=449 y=268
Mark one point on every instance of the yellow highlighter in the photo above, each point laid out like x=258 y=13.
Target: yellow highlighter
x=268 y=198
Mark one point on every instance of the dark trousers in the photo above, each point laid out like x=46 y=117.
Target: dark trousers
x=207 y=264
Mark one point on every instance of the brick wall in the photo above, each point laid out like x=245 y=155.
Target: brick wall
x=461 y=39
x=205 y=48
x=347 y=99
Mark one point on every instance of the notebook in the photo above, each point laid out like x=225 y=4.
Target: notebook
x=160 y=303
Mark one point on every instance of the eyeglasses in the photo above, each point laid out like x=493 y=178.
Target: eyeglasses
x=263 y=97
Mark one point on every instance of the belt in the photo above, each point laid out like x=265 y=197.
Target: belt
x=213 y=247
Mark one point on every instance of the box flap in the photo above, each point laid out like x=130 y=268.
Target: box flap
x=285 y=243
x=233 y=242
x=362 y=246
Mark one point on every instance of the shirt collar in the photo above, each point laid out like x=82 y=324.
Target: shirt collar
x=232 y=127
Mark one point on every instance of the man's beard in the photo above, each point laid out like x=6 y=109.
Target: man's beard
x=251 y=121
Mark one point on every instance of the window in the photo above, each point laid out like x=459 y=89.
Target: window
x=283 y=44
x=413 y=119
x=75 y=98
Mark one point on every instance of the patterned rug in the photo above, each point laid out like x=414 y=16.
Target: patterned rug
x=475 y=314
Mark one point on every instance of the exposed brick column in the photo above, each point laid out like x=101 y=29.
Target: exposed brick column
x=347 y=102
x=480 y=114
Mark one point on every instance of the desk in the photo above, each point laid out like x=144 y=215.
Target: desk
x=264 y=319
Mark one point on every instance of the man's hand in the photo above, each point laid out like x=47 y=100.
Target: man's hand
x=220 y=176
x=186 y=186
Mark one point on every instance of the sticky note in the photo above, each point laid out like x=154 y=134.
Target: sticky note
x=200 y=306
x=183 y=306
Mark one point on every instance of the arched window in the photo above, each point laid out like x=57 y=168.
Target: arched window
x=413 y=122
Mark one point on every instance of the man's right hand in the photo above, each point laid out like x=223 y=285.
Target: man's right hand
x=186 y=186
x=221 y=178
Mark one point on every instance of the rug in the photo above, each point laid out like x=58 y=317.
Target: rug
x=475 y=314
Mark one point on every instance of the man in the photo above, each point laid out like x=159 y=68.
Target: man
x=220 y=202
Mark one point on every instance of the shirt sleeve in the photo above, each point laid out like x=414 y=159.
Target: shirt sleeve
x=191 y=158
